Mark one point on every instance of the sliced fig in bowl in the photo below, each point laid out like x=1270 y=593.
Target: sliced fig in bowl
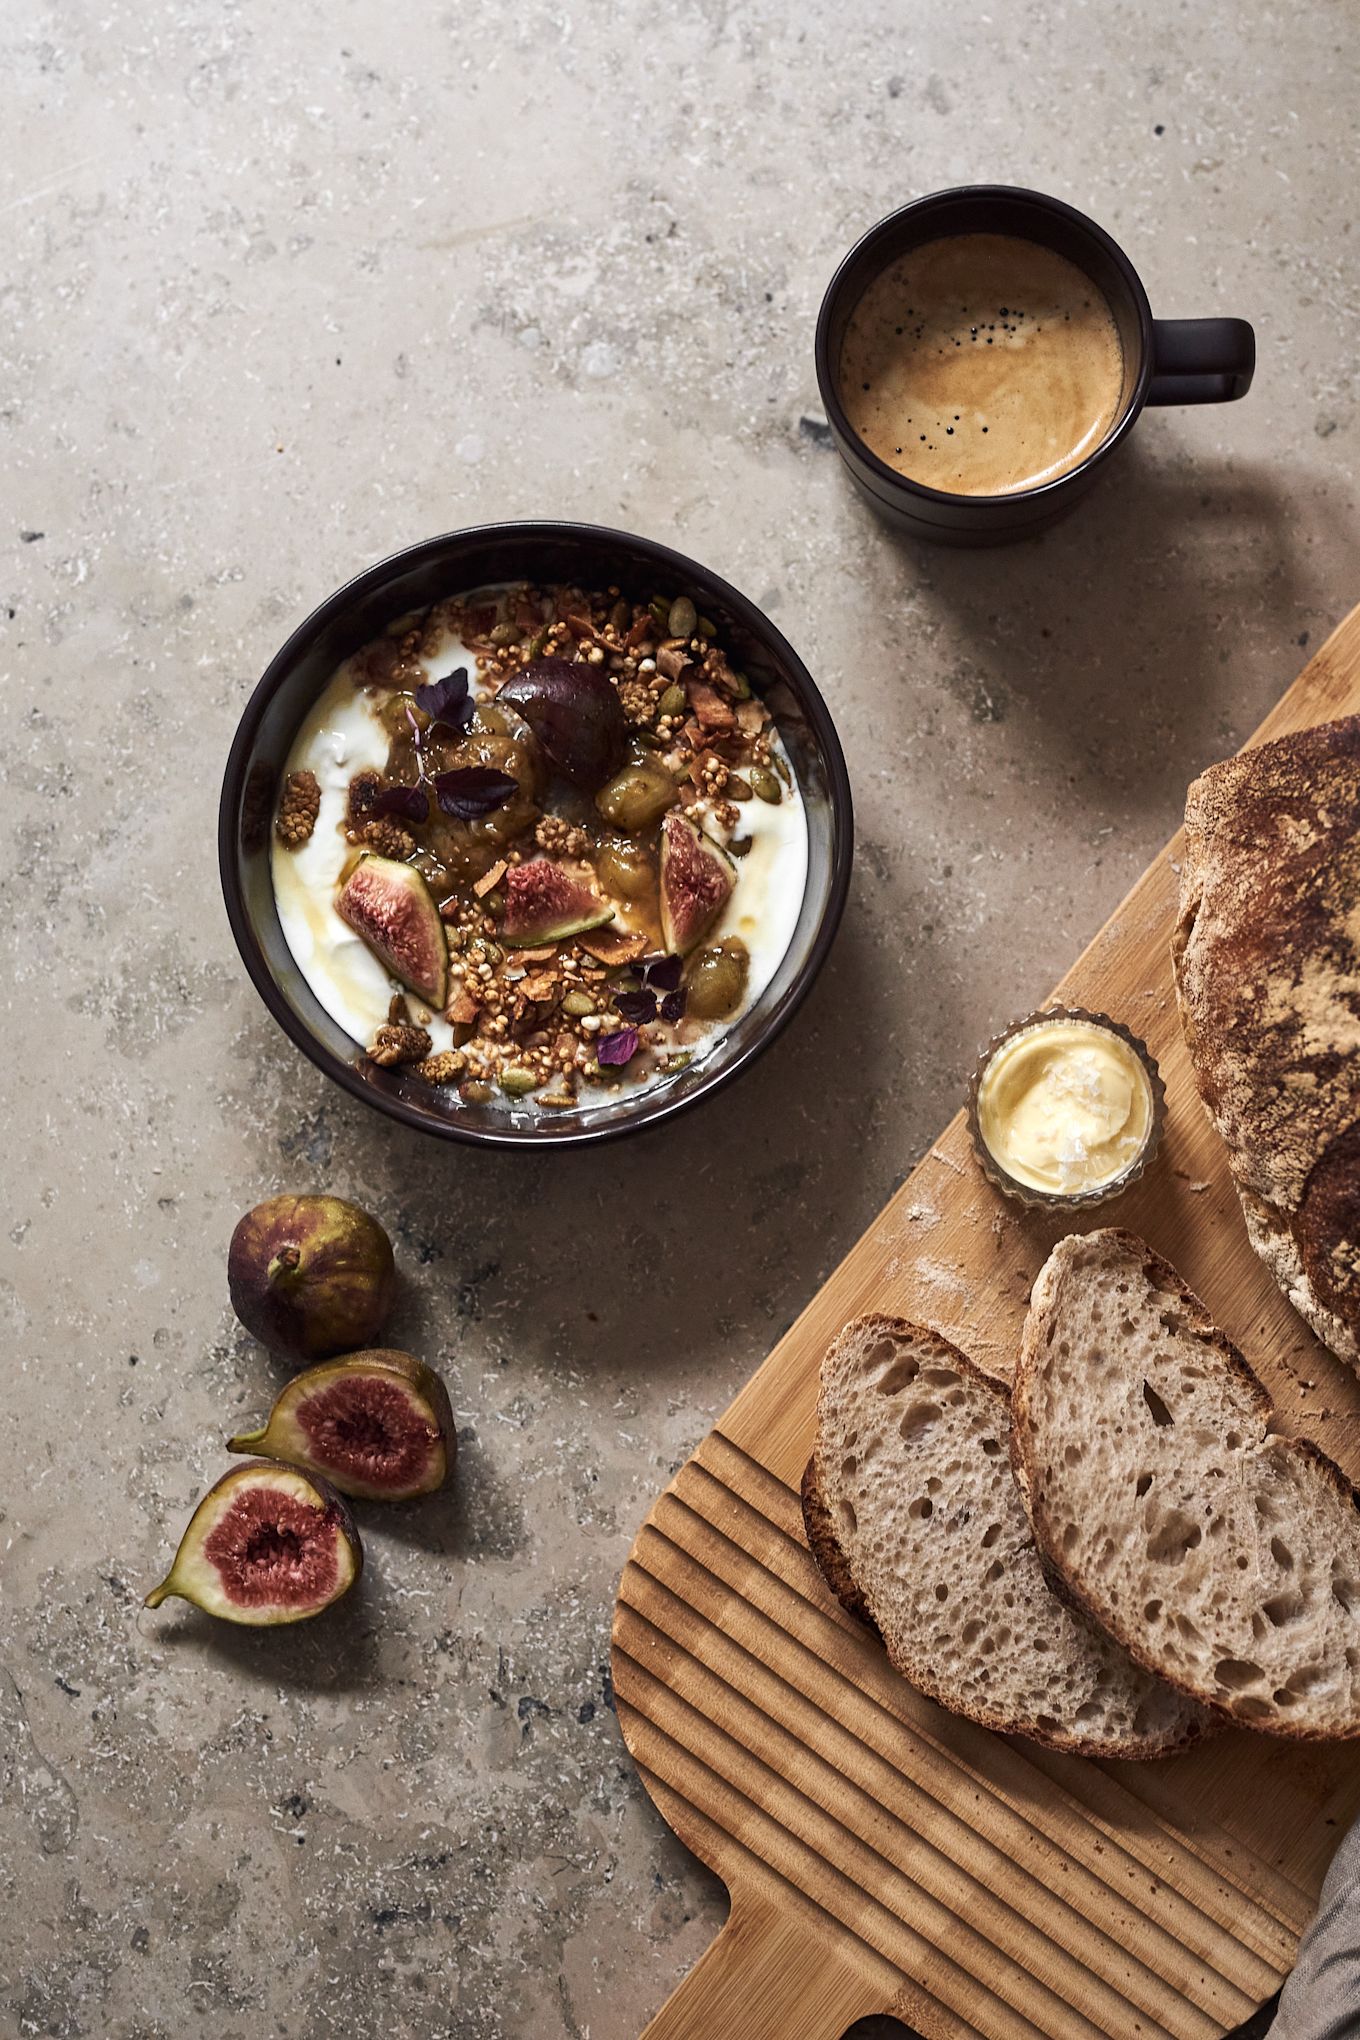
x=544 y=903
x=574 y=711
x=390 y=907
x=267 y=1544
x=375 y=1424
x=697 y=877
x=310 y=1275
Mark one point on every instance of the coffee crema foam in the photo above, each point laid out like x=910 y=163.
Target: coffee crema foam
x=982 y=364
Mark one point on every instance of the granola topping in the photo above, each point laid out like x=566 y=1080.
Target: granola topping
x=399 y=1044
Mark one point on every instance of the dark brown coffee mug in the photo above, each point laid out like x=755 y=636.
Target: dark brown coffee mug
x=1166 y=361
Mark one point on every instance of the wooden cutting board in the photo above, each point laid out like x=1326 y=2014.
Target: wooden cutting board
x=882 y=1855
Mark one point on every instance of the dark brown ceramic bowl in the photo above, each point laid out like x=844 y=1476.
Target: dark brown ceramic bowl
x=593 y=556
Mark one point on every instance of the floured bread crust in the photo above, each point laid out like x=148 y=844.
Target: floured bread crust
x=1267 y=961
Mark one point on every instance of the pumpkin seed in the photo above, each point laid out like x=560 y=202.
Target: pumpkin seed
x=517 y=1082
x=477 y=1093
x=683 y=618
x=741 y=686
x=766 y=786
x=707 y=627
x=672 y=701
x=659 y=609
x=738 y=846
x=621 y=615
x=506 y=634
x=737 y=788
x=578 y=1004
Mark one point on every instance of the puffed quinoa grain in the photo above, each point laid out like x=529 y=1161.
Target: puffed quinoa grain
x=389 y=838
x=636 y=701
x=299 y=806
x=444 y=1068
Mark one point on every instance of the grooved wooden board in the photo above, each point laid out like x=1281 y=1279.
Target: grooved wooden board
x=882 y=1855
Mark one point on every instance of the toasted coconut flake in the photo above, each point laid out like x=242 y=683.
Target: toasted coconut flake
x=490 y=879
x=613 y=945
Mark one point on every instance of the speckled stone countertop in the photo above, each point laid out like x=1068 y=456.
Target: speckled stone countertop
x=285 y=288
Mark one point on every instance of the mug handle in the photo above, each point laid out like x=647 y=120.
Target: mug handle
x=1201 y=361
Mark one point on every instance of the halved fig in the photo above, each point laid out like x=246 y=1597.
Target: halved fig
x=376 y=1424
x=544 y=903
x=267 y=1544
x=390 y=906
x=575 y=712
x=310 y=1275
x=697 y=877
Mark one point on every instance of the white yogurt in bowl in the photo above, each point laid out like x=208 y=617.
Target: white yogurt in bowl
x=345 y=734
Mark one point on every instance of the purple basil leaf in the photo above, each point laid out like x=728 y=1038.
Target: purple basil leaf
x=664 y=972
x=411 y=803
x=447 y=700
x=673 y=1006
x=636 y=1007
x=618 y=1048
x=473 y=790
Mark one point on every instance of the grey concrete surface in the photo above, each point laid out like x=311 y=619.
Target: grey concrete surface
x=287 y=287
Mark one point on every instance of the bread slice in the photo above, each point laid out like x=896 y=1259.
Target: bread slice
x=914 y=1518
x=821 y=1537
x=1267 y=959
x=1224 y=1558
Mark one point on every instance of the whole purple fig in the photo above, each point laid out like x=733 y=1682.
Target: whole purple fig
x=574 y=711
x=311 y=1276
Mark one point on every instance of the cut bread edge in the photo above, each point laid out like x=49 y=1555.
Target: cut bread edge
x=1043 y=1301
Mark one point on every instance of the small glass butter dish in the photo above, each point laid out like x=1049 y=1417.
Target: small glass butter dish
x=1065 y=1109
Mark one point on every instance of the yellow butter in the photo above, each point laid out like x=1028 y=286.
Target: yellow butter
x=1065 y=1106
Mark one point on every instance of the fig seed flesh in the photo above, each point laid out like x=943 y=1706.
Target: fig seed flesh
x=388 y=904
x=697 y=877
x=266 y=1545
x=376 y=1424
x=544 y=903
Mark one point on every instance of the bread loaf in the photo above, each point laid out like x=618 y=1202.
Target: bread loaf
x=1267 y=961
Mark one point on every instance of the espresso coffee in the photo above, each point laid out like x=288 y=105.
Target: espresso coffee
x=982 y=364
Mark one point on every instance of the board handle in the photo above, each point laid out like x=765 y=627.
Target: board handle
x=767 y=1976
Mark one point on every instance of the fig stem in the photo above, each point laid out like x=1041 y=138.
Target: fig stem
x=245 y=1441
x=158 y=1594
x=285 y=1264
